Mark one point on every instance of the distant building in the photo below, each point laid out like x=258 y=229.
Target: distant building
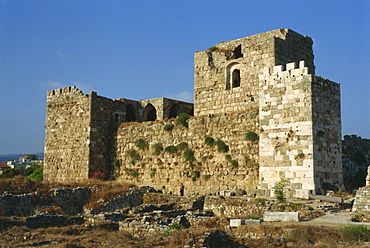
x=3 y=167
x=22 y=163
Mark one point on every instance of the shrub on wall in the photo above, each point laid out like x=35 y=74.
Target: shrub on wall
x=234 y=163
x=206 y=177
x=196 y=175
x=171 y=149
x=189 y=155
x=209 y=141
x=300 y=155
x=251 y=136
x=182 y=146
x=221 y=146
x=212 y=49
x=141 y=144
x=182 y=119
x=132 y=172
x=168 y=127
x=133 y=155
x=158 y=148
x=247 y=159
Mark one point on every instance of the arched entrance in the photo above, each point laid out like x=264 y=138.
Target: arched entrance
x=149 y=113
x=174 y=111
x=130 y=113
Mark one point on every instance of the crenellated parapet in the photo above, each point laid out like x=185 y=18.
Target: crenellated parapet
x=65 y=91
x=281 y=72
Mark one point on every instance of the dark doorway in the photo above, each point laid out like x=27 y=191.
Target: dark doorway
x=149 y=113
x=130 y=113
x=174 y=111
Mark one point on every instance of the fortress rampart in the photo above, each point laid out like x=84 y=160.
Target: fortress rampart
x=264 y=84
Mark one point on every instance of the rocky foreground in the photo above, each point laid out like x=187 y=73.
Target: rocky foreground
x=144 y=217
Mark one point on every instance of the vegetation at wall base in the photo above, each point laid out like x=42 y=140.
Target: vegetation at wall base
x=34 y=172
x=279 y=190
x=359 y=232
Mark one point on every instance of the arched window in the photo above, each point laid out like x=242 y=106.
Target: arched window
x=233 y=75
x=174 y=111
x=149 y=113
x=236 y=78
x=130 y=113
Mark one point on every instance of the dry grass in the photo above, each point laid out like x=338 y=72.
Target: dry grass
x=155 y=198
x=104 y=191
x=21 y=185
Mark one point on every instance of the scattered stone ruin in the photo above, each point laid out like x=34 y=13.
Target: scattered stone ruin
x=362 y=201
x=260 y=115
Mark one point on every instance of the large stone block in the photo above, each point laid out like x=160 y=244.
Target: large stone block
x=281 y=216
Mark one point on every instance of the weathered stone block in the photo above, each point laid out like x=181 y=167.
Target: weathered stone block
x=281 y=216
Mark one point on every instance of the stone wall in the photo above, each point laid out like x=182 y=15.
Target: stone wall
x=356 y=159
x=211 y=170
x=362 y=200
x=80 y=130
x=327 y=135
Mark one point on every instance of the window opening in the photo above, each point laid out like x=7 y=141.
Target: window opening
x=236 y=78
x=238 y=52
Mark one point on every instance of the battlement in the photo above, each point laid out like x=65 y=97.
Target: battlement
x=287 y=70
x=66 y=90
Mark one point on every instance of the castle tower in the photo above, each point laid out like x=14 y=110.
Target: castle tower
x=299 y=114
x=79 y=133
x=226 y=75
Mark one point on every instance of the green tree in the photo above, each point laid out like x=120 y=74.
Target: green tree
x=31 y=169
x=31 y=156
x=37 y=174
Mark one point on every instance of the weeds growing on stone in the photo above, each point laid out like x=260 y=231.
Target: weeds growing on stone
x=158 y=148
x=182 y=119
x=168 y=127
x=251 y=136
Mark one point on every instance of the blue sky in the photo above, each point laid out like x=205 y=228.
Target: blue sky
x=144 y=49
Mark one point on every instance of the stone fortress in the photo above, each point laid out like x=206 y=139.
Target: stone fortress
x=260 y=115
